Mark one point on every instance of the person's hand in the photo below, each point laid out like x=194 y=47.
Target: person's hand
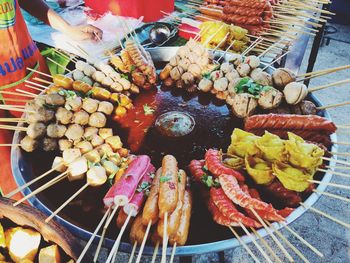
x=85 y=32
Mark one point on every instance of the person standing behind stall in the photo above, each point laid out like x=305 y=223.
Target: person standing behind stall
x=18 y=51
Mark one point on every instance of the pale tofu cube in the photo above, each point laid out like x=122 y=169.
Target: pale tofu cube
x=70 y=155
x=58 y=164
x=50 y=254
x=96 y=176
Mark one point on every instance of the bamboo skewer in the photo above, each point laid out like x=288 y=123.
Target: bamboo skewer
x=251 y=46
x=88 y=244
x=333 y=105
x=323 y=71
x=17 y=94
x=243 y=244
x=165 y=238
x=173 y=253
x=268 y=247
x=336 y=161
x=143 y=242
x=221 y=42
x=44 y=81
x=132 y=252
x=285 y=240
x=338 y=167
x=104 y=230
x=35 y=88
x=335 y=173
x=255 y=243
x=330 y=184
x=285 y=252
x=340 y=153
x=342 y=143
x=12 y=128
x=58 y=64
x=212 y=36
x=12 y=120
x=326 y=215
x=269 y=65
x=37 y=84
x=154 y=256
x=343 y=126
x=43 y=187
x=345 y=81
x=27 y=93
x=3 y=107
x=70 y=58
x=117 y=242
x=39 y=72
x=9 y=145
x=332 y=195
x=66 y=203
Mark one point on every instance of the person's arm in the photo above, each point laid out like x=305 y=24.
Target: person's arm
x=43 y=12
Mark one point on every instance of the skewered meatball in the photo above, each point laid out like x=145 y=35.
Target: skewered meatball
x=217 y=74
x=96 y=140
x=40 y=100
x=231 y=88
x=84 y=147
x=244 y=105
x=87 y=80
x=56 y=130
x=73 y=103
x=115 y=75
x=98 y=76
x=90 y=105
x=81 y=117
x=263 y=78
x=281 y=77
x=254 y=74
x=305 y=108
x=49 y=144
x=187 y=78
x=55 y=99
x=199 y=50
x=237 y=59
x=70 y=155
x=221 y=84
x=63 y=115
x=89 y=70
x=36 y=130
x=105 y=133
x=64 y=144
x=203 y=62
x=97 y=119
x=192 y=58
x=243 y=69
x=78 y=75
x=195 y=70
x=176 y=72
x=41 y=114
x=226 y=67
x=74 y=132
x=89 y=131
x=183 y=51
x=205 y=85
x=295 y=92
x=107 y=81
x=174 y=61
x=105 y=107
x=80 y=65
x=117 y=87
x=184 y=63
x=232 y=75
x=252 y=61
x=270 y=98
x=28 y=144
x=125 y=83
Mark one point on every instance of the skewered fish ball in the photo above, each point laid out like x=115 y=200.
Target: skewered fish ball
x=192 y=58
x=217 y=74
x=221 y=84
x=117 y=87
x=64 y=144
x=114 y=142
x=110 y=167
x=205 y=85
x=77 y=169
x=270 y=99
x=105 y=107
x=244 y=105
x=96 y=176
x=187 y=78
x=232 y=75
x=73 y=103
x=203 y=61
x=281 y=77
x=183 y=51
x=252 y=61
x=226 y=67
x=39 y=100
x=80 y=65
x=263 y=78
x=28 y=144
x=295 y=92
x=74 y=132
x=98 y=76
x=305 y=108
x=49 y=144
x=89 y=70
x=87 y=80
x=63 y=115
x=184 y=63
x=174 y=61
x=229 y=99
x=115 y=75
x=125 y=83
x=36 y=130
x=97 y=119
x=58 y=164
x=199 y=50
x=84 y=147
x=56 y=130
x=93 y=156
x=89 y=131
x=107 y=81
x=195 y=70
x=176 y=73
x=106 y=69
x=90 y=105
x=40 y=114
x=105 y=150
x=70 y=155
x=254 y=74
x=243 y=69
x=81 y=117
x=96 y=140
x=78 y=75
x=55 y=99
x=238 y=59
x=105 y=133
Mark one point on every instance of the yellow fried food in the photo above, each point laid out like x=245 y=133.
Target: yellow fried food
x=235 y=162
x=213 y=30
x=302 y=154
x=238 y=33
x=259 y=170
x=243 y=143
x=272 y=147
x=2 y=237
x=292 y=178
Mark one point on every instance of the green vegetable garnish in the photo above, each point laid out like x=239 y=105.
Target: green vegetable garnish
x=148 y=110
